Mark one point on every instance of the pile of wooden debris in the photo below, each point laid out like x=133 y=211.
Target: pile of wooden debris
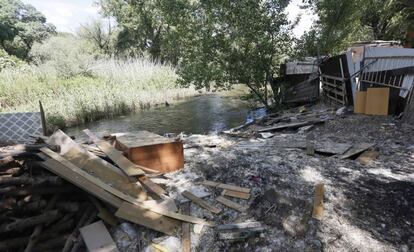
x=53 y=193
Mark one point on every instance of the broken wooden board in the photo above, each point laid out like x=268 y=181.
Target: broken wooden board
x=235 y=194
x=186 y=236
x=119 y=159
x=367 y=157
x=237 y=231
x=226 y=186
x=91 y=163
x=167 y=205
x=79 y=178
x=231 y=204
x=92 y=179
x=186 y=218
x=291 y=125
x=151 y=186
x=325 y=147
x=149 y=219
x=97 y=238
x=356 y=149
x=317 y=212
x=202 y=203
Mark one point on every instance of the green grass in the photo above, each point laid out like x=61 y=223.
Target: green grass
x=110 y=89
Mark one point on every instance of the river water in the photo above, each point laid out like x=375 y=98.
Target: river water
x=198 y=115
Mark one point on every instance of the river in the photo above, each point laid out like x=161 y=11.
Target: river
x=198 y=115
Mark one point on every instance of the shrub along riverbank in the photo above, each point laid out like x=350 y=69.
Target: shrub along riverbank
x=108 y=88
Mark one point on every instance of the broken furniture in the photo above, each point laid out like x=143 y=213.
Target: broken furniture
x=151 y=150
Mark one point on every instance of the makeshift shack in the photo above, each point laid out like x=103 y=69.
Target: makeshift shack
x=301 y=81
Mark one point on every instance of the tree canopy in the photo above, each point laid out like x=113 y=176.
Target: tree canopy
x=343 y=22
x=20 y=26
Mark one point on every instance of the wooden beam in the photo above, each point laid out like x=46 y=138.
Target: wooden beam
x=151 y=186
x=93 y=164
x=317 y=212
x=79 y=178
x=186 y=236
x=202 y=203
x=126 y=166
x=149 y=219
x=226 y=186
x=356 y=149
x=231 y=204
x=170 y=214
x=235 y=194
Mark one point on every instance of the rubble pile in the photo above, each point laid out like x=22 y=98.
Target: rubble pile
x=305 y=179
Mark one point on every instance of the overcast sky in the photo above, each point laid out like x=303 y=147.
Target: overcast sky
x=67 y=15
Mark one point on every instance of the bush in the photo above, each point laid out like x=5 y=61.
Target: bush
x=68 y=55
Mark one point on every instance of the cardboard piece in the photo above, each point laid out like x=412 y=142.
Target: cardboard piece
x=377 y=101
x=360 y=101
x=97 y=238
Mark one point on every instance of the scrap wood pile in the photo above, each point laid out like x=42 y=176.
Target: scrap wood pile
x=53 y=193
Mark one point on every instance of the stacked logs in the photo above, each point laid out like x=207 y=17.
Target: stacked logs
x=39 y=211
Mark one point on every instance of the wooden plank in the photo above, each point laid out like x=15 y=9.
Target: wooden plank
x=291 y=125
x=186 y=236
x=317 y=212
x=367 y=157
x=356 y=149
x=235 y=194
x=80 y=179
x=92 y=179
x=91 y=163
x=149 y=219
x=170 y=214
x=117 y=181
x=377 y=101
x=231 y=204
x=167 y=204
x=97 y=238
x=151 y=186
x=127 y=166
x=202 y=203
x=226 y=186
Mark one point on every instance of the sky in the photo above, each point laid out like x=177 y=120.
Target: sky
x=67 y=15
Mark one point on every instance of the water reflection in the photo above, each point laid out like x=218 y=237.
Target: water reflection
x=202 y=114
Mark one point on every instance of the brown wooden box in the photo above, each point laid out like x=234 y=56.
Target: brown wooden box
x=151 y=150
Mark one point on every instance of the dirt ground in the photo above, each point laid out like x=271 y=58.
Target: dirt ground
x=368 y=207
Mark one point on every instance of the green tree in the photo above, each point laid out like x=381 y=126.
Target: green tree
x=146 y=27
x=343 y=22
x=235 y=42
x=20 y=26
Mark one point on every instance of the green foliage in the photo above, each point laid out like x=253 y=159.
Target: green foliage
x=20 y=26
x=65 y=56
x=100 y=35
x=343 y=22
x=233 y=42
x=7 y=61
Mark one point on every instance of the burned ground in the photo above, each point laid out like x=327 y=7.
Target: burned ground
x=367 y=207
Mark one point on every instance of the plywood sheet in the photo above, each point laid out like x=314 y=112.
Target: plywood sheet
x=377 y=101
x=317 y=212
x=360 y=101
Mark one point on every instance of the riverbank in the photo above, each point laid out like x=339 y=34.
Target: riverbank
x=110 y=89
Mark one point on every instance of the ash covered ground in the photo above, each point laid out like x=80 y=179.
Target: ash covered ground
x=368 y=207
